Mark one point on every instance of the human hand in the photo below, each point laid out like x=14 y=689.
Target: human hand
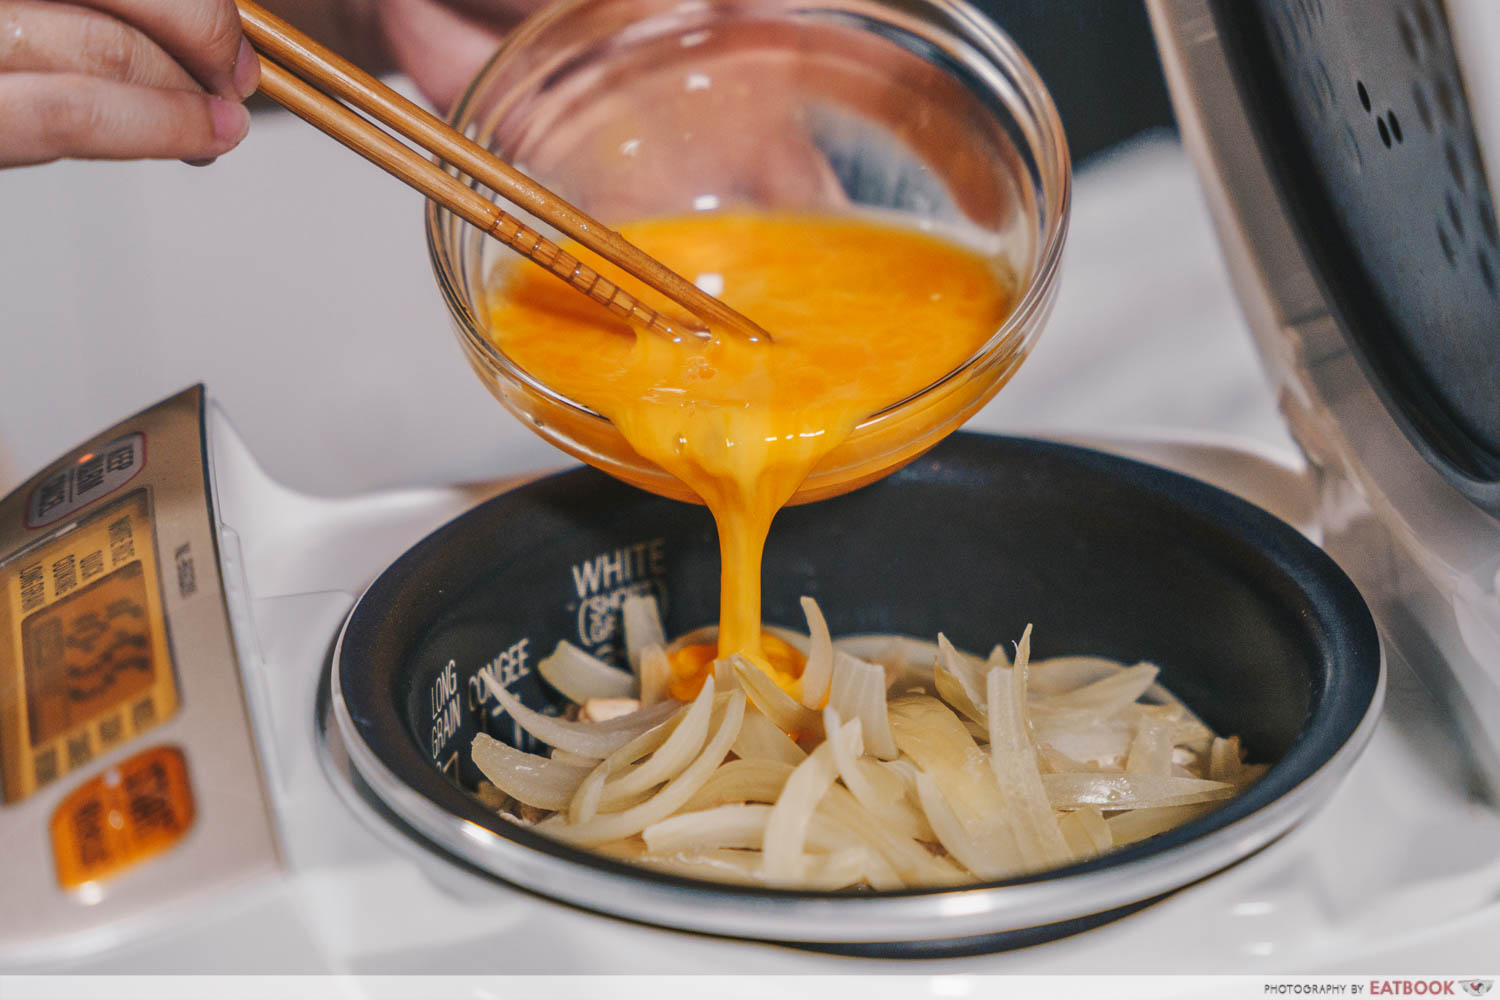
x=122 y=79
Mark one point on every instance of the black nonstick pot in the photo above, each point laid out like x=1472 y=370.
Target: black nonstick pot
x=1251 y=624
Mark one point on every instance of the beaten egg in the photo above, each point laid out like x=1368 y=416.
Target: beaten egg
x=862 y=314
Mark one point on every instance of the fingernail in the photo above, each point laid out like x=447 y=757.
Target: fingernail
x=201 y=163
x=231 y=120
x=246 y=74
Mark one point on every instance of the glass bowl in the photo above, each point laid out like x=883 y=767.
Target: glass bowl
x=920 y=113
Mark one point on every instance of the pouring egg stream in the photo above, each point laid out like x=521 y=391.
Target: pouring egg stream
x=863 y=314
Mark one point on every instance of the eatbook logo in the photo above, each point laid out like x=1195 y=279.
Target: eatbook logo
x=1477 y=987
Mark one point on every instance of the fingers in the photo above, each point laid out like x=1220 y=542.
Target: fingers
x=38 y=36
x=204 y=36
x=122 y=79
x=47 y=116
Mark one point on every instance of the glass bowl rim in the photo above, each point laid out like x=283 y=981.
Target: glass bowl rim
x=1054 y=167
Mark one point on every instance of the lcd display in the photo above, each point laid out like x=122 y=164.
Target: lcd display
x=86 y=654
x=84 y=660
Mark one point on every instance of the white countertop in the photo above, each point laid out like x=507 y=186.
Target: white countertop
x=292 y=279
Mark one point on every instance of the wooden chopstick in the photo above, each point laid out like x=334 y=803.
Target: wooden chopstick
x=286 y=54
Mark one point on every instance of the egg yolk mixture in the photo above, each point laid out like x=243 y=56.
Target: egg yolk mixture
x=862 y=315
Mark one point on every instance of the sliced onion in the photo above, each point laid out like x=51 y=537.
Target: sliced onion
x=956 y=840
x=876 y=789
x=605 y=709
x=656 y=675
x=1086 y=832
x=818 y=672
x=762 y=739
x=642 y=627
x=1104 y=742
x=858 y=692
x=742 y=781
x=672 y=757
x=1060 y=674
x=911 y=861
x=579 y=676
x=1013 y=761
x=1054 y=761
x=774 y=703
x=960 y=792
x=975 y=856
x=1138 y=824
x=590 y=739
x=907 y=661
x=677 y=792
x=849 y=866
x=585 y=803
x=730 y=826
x=732 y=866
x=564 y=757
x=526 y=777
x=782 y=861
x=1224 y=760
x=959 y=679
x=1130 y=791
x=1151 y=749
x=933 y=737
x=725 y=677
x=1102 y=698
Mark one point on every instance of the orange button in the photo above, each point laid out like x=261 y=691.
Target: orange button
x=118 y=819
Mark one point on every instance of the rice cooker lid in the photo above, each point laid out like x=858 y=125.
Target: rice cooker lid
x=1364 y=122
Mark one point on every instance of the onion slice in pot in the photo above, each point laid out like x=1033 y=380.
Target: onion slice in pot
x=786 y=829
x=774 y=703
x=643 y=628
x=526 y=777
x=817 y=673
x=579 y=676
x=858 y=692
x=589 y=739
x=677 y=792
x=1130 y=791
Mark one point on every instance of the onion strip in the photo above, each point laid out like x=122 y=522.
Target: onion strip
x=782 y=860
x=578 y=676
x=672 y=757
x=927 y=766
x=589 y=739
x=959 y=680
x=643 y=629
x=525 y=777
x=741 y=781
x=818 y=671
x=665 y=802
x=774 y=703
x=1013 y=761
x=1130 y=791
x=656 y=675
x=762 y=739
x=858 y=692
